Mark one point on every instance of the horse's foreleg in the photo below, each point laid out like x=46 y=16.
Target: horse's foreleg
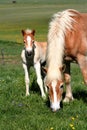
x=82 y=61
x=39 y=78
x=27 y=80
x=68 y=96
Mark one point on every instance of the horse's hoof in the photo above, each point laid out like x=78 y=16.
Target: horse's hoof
x=68 y=99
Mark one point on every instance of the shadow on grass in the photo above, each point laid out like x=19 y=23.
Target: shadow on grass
x=35 y=87
x=81 y=94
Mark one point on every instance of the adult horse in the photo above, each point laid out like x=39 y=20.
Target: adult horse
x=67 y=42
x=33 y=54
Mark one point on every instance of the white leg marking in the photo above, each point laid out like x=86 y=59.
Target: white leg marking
x=26 y=72
x=69 y=95
x=39 y=79
x=27 y=80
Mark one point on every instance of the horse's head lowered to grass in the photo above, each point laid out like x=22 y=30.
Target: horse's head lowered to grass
x=55 y=89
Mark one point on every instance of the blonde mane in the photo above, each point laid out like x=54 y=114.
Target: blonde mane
x=61 y=22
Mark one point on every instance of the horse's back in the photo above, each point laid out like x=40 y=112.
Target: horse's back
x=82 y=31
x=76 y=38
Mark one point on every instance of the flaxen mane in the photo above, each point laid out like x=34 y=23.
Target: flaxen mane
x=61 y=22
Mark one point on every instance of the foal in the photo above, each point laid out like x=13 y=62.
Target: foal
x=33 y=54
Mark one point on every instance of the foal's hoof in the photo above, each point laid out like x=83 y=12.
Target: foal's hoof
x=27 y=94
x=68 y=99
x=44 y=97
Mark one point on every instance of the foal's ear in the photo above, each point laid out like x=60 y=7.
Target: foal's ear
x=23 y=32
x=62 y=69
x=44 y=69
x=33 y=32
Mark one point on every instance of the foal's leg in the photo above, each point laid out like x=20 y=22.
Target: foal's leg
x=27 y=80
x=39 y=79
x=68 y=96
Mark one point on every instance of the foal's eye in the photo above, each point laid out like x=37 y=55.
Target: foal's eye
x=61 y=86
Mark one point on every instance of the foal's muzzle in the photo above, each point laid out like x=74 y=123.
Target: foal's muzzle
x=29 y=53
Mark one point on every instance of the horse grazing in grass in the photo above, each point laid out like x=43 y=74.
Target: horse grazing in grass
x=67 y=42
x=33 y=54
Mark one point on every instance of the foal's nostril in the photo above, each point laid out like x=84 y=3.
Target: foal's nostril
x=29 y=53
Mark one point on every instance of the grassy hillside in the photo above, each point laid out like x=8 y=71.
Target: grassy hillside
x=31 y=14
x=43 y=1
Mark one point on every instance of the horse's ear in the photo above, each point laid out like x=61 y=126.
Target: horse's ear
x=62 y=69
x=44 y=69
x=33 y=32
x=23 y=32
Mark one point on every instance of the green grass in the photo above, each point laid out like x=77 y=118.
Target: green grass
x=18 y=112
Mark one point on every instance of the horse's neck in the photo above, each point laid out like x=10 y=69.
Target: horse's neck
x=53 y=74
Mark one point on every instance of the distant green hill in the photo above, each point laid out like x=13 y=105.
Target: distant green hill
x=43 y=1
x=34 y=14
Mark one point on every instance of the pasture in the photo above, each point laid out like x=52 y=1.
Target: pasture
x=18 y=112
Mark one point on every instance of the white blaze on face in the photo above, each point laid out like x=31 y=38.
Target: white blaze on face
x=29 y=47
x=55 y=105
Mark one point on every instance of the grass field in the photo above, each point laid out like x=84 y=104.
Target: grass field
x=18 y=112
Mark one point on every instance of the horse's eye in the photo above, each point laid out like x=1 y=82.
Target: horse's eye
x=61 y=86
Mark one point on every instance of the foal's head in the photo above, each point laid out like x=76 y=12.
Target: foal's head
x=28 y=39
